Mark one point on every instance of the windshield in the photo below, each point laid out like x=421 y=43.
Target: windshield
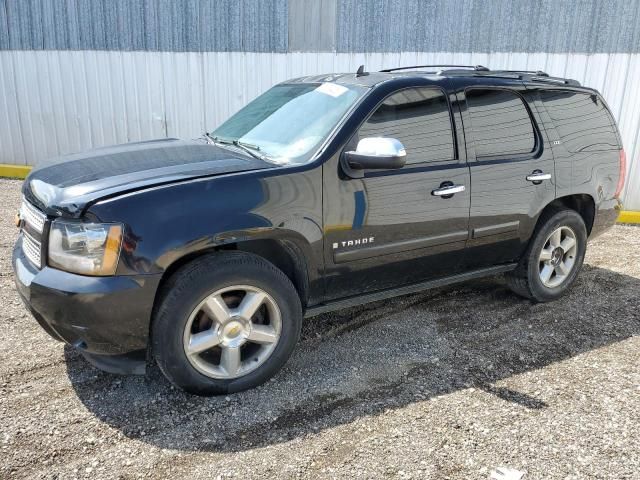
x=287 y=123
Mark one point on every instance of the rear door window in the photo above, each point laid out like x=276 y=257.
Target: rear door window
x=500 y=123
x=581 y=120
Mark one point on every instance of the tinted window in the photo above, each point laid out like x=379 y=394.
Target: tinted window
x=419 y=118
x=581 y=120
x=500 y=122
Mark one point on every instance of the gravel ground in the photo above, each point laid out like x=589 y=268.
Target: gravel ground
x=451 y=383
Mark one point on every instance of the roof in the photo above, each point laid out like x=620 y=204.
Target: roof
x=369 y=80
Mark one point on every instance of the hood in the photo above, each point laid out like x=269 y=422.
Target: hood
x=66 y=185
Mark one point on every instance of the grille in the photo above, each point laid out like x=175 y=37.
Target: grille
x=32 y=216
x=34 y=220
x=31 y=248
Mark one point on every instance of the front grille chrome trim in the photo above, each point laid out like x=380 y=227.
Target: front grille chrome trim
x=35 y=218
x=32 y=249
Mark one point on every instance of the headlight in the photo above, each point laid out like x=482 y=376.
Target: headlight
x=85 y=248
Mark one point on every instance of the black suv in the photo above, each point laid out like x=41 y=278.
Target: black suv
x=324 y=192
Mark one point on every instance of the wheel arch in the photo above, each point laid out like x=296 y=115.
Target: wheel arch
x=285 y=252
x=581 y=203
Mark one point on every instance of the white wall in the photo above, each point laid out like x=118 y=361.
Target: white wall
x=57 y=102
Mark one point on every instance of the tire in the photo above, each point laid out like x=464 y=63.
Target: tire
x=248 y=351
x=528 y=279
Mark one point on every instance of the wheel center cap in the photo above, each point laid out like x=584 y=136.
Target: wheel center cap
x=556 y=256
x=234 y=332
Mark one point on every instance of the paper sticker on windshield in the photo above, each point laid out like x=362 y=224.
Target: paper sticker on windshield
x=332 y=89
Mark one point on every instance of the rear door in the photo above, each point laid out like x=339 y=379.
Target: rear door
x=512 y=172
x=388 y=229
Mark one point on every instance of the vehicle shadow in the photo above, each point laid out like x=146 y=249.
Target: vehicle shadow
x=366 y=360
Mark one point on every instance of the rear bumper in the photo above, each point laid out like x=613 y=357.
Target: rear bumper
x=605 y=217
x=100 y=316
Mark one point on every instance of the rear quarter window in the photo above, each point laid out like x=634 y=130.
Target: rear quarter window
x=582 y=121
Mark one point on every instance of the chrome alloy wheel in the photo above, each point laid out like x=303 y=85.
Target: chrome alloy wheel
x=558 y=257
x=232 y=332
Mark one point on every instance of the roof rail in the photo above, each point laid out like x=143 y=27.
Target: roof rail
x=539 y=73
x=477 y=68
x=537 y=76
x=565 y=81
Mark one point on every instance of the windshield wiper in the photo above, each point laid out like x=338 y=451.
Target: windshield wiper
x=211 y=140
x=253 y=150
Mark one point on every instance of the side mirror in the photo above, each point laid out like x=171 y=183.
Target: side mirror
x=376 y=153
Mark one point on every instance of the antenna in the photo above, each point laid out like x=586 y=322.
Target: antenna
x=361 y=72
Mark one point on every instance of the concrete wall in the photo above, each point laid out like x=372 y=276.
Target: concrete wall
x=76 y=74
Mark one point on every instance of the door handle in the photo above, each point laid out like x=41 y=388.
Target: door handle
x=447 y=191
x=537 y=176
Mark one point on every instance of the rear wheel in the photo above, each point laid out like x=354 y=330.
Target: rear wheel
x=227 y=322
x=553 y=259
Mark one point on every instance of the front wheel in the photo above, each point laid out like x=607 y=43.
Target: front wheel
x=553 y=259
x=227 y=322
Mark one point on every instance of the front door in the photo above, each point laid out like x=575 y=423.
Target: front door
x=391 y=228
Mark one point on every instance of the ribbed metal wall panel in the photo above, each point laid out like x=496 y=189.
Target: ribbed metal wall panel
x=552 y=26
x=312 y=25
x=57 y=102
x=567 y=26
x=144 y=25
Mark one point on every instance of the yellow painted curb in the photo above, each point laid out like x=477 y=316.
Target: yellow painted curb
x=629 y=217
x=14 y=171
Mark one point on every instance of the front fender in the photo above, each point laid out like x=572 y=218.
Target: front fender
x=167 y=223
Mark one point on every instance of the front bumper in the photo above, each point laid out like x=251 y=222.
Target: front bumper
x=106 y=318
